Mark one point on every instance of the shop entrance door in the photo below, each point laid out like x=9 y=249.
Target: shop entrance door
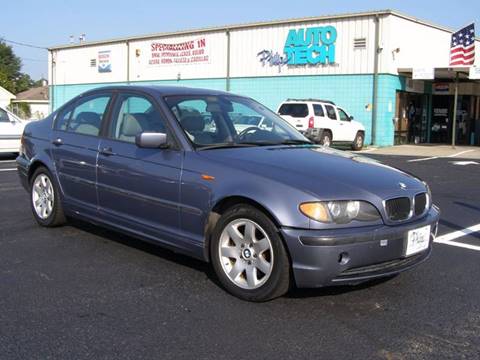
x=410 y=118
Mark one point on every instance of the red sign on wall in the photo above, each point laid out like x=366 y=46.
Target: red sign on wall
x=187 y=52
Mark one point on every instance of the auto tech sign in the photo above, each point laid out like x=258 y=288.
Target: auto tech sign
x=193 y=51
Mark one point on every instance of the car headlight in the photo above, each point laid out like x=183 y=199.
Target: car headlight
x=340 y=212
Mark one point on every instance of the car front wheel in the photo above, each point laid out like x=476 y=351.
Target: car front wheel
x=248 y=255
x=45 y=200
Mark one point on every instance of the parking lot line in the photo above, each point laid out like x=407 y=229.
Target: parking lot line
x=9 y=169
x=447 y=239
x=423 y=159
x=460 y=153
x=7 y=161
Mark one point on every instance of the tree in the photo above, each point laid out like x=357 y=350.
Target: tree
x=11 y=77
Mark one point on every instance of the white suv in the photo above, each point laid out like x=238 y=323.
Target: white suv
x=322 y=121
x=11 y=129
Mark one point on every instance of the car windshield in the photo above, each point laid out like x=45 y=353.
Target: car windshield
x=215 y=121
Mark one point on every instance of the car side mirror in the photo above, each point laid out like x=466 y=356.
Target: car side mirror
x=151 y=140
x=350 y=118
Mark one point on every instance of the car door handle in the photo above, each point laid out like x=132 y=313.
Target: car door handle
x=57 y=142
x=107 y=151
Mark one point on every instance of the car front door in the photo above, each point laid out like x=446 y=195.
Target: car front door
x=139 y=188
x=347 y=131
x=74 y=148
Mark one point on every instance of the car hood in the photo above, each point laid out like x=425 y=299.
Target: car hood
x=322 y=172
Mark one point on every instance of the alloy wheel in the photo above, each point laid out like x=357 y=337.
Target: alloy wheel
x=246 y=253
x=43 y=196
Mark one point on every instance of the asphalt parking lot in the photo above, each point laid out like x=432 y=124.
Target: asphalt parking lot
x=83 y=292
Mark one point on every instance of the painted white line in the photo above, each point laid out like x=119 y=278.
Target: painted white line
x=460 y=153
x=369 y=150
x=459 y=233
x=458 y=244
x=423 y=159
x=12 y=169
x=7 y=161
x=447 y=238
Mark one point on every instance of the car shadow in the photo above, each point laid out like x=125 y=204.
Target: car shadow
x=301 y=293
x=206 y=268
x=145 y=246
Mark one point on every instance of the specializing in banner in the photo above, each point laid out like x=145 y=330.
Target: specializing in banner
x=195 y=51
x=104 y=64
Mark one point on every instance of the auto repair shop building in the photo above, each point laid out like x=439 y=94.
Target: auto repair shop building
x=364 y=62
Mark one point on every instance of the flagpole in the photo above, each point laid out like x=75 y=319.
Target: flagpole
x=455 y=100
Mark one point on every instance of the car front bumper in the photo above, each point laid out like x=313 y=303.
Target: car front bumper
x=353 y=255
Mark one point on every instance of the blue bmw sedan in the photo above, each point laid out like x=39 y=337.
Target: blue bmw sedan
x=269 y=209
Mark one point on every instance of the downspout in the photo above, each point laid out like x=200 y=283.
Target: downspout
x=227 y=84
x=375 y=79
x=128 y=62
x=52 y=85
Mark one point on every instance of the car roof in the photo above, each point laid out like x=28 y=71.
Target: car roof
x=309 y=101
x=157 y=90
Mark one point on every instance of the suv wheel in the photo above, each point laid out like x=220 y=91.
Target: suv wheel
x=358 y=142
x=326 y=139
x=45 y=199
x=248 y=255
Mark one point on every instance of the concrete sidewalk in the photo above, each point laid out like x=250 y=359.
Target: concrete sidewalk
x=427 y=150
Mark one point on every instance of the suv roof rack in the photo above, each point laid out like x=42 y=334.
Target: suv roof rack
x=315 y=100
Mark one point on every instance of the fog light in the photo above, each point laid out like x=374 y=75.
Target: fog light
x=343 y=258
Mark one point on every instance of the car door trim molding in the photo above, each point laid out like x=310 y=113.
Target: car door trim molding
x=151 y=199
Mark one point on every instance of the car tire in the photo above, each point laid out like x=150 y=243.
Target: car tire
x=252 y=267
x=326 y=139
x=358 y=142
x=45 y=199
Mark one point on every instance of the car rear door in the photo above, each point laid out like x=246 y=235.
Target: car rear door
x=75 y=141
x=332 y=123
x=139 y=188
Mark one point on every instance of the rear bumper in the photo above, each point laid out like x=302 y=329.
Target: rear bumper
x=350 y=256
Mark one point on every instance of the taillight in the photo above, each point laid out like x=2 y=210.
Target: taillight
x=311 y=122
x=22 y=144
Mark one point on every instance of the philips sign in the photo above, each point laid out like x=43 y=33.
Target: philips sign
x=304 y=46
x=313 y=46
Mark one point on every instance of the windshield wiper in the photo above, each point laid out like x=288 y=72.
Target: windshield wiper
x=224 y=146
x=295 y=142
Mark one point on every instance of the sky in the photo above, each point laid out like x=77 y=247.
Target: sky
x=51 y=22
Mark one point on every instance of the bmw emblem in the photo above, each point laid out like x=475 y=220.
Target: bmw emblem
x=247 y=253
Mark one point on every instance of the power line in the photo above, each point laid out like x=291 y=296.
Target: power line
x=28 y=59
x=23 y=44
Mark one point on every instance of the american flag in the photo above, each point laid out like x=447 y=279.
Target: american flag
x=462 y=46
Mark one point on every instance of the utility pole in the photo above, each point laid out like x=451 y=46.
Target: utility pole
x=455 y=100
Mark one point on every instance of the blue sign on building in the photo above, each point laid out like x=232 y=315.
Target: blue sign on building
x=314 y=45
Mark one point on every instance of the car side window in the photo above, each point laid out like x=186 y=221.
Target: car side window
x=343 y=116
x=61 y=121
x=318 y=110
x=88 y=114
x=134 y=115
x=4 y=116
x=331 y=112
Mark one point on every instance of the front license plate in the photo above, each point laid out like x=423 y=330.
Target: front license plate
x=417 y=240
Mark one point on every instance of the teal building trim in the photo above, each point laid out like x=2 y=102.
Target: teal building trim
x=351 y=92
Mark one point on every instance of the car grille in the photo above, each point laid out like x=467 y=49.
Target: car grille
x=398 y=209
x=420 y=203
